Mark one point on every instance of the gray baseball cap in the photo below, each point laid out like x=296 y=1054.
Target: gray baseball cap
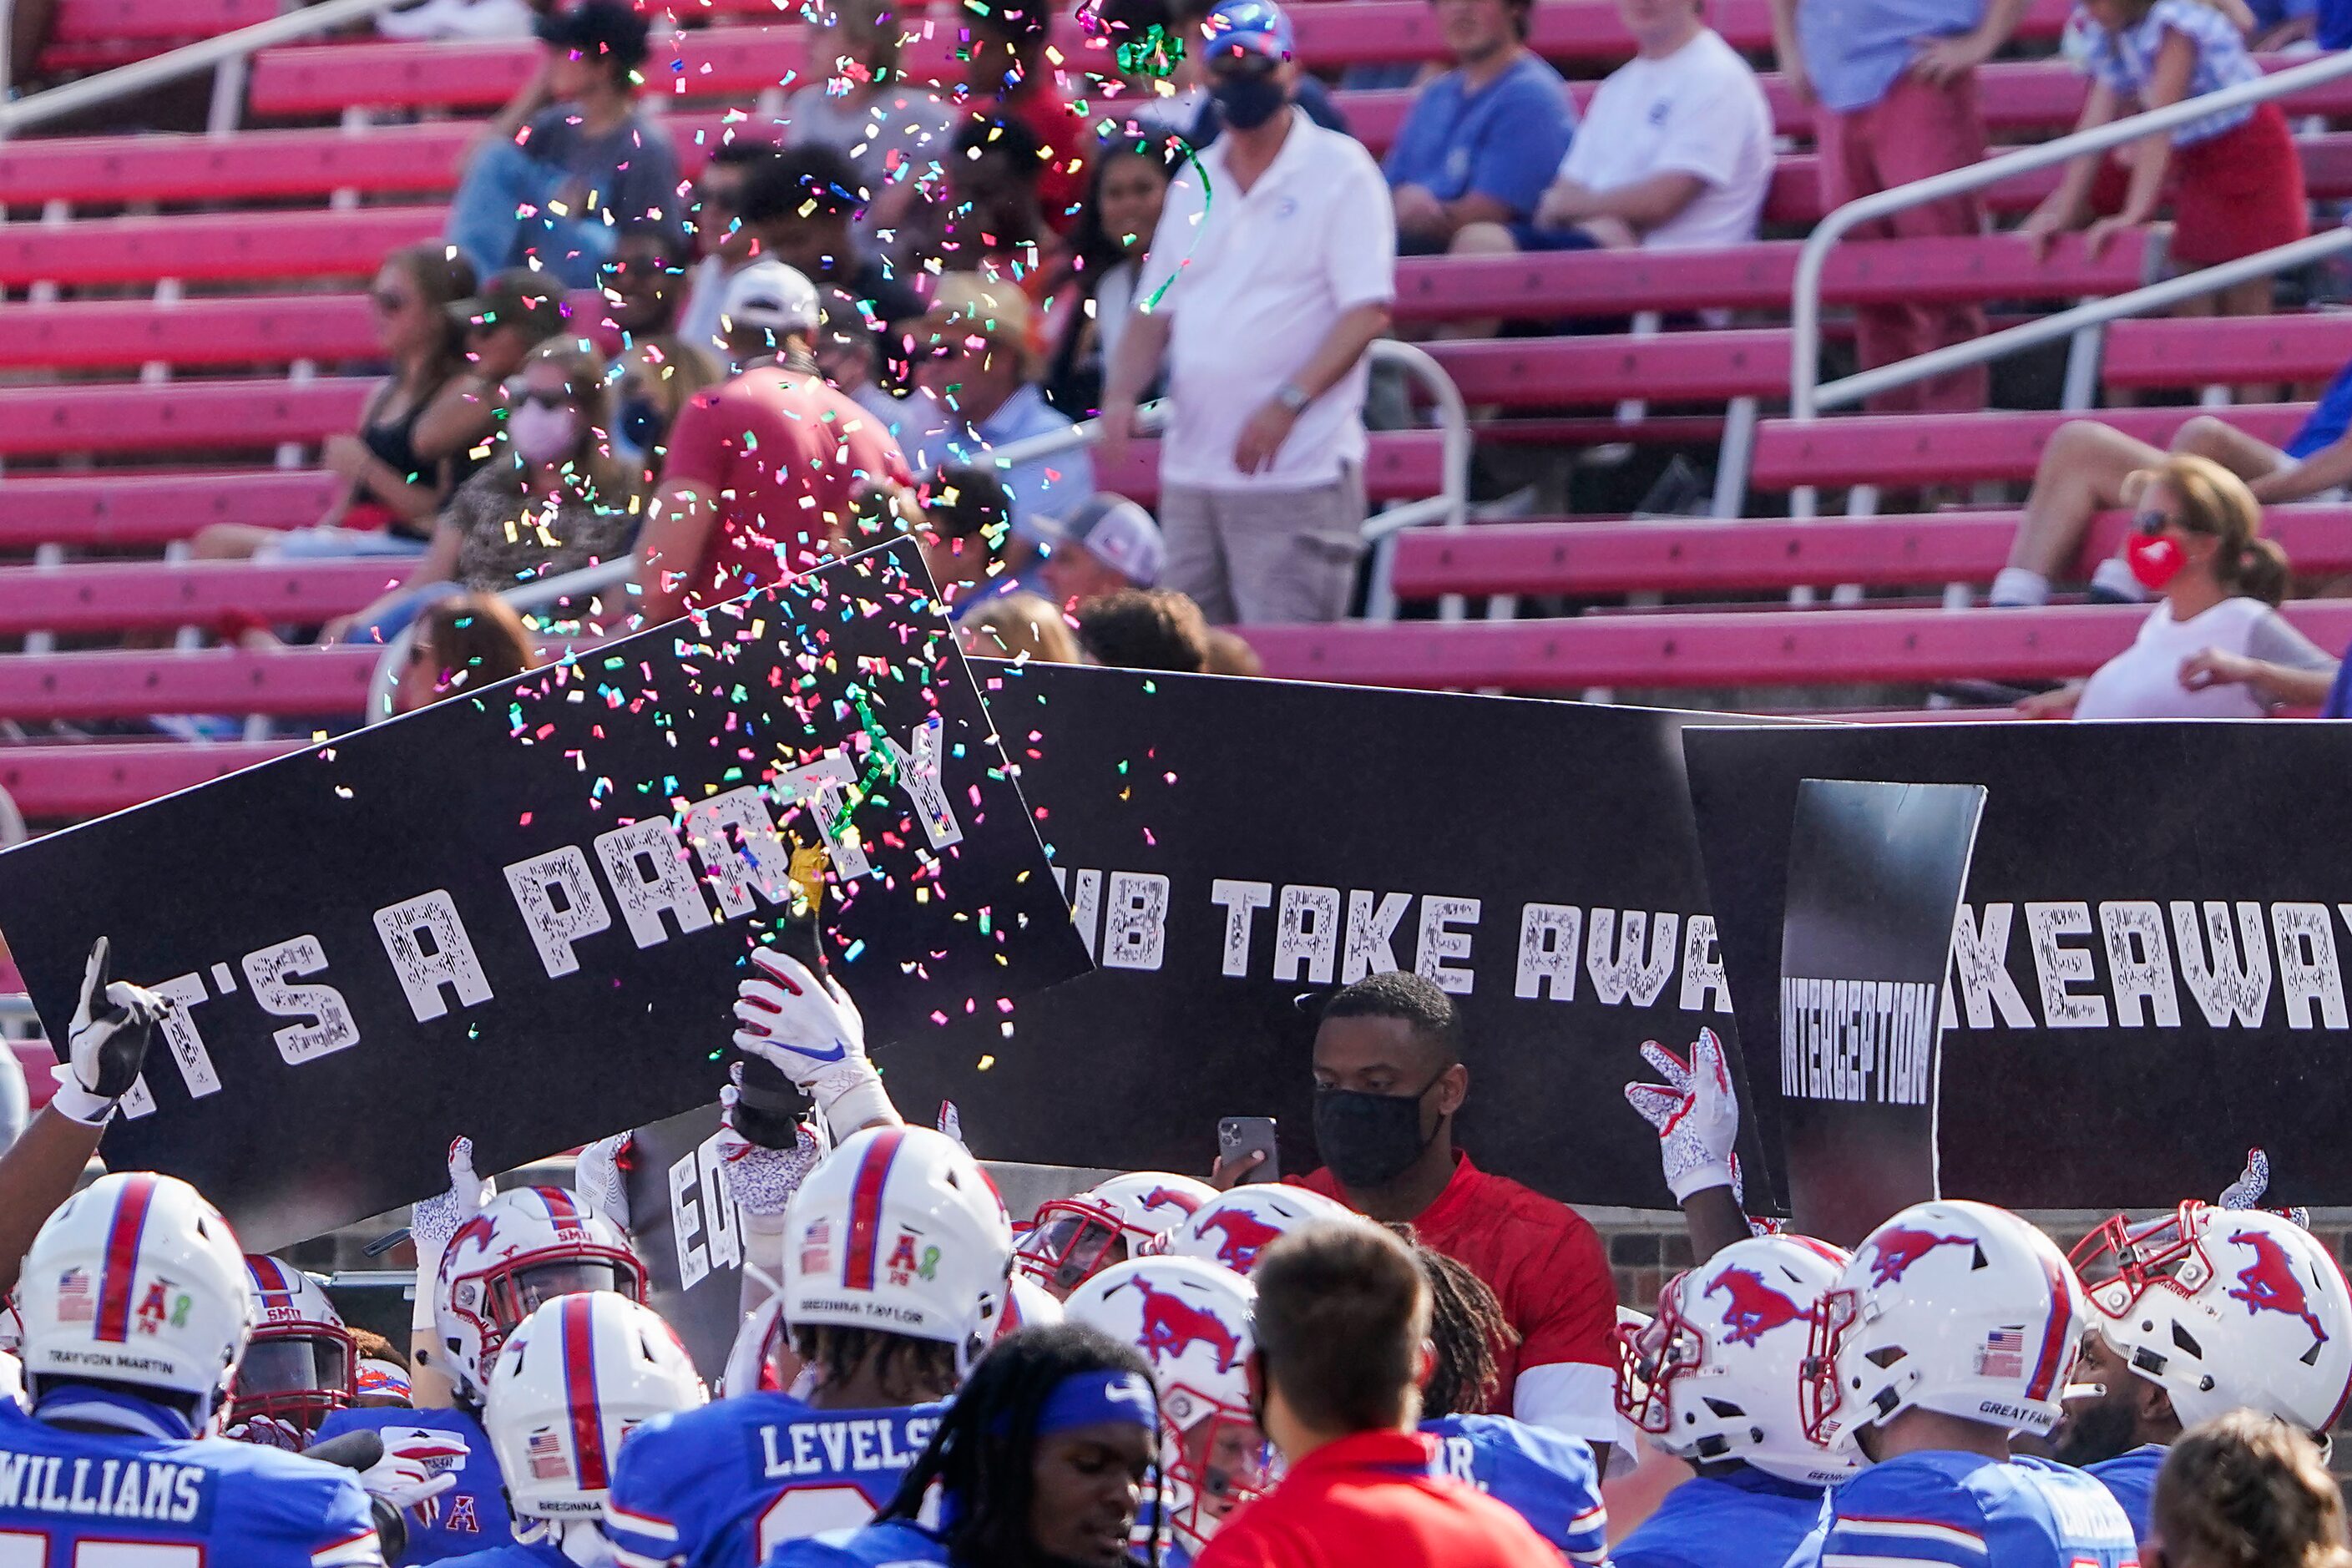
x=1115 y=531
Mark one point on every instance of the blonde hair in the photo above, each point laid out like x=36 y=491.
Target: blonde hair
x=1018 y=625
x=2215 y=502
x=969 y=305
x=2247 y=1491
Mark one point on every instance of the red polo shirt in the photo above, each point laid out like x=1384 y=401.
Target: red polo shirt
x=1370 y=1499
x=1548 y=1269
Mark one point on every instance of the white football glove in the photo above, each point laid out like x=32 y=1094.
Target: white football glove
x=418 y=1463
x=106 y=1044
x=600 y=1176
x=762 y=1180
x=268 y=1431
x=432 y=1223
x=811 y=1032
x=1696 y=1111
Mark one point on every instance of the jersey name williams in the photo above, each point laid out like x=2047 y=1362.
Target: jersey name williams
x=806 y=1449
x=153 y=1490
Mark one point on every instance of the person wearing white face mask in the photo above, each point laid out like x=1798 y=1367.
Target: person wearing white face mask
x=550 y=499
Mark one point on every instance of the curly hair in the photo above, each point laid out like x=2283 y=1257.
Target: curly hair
x=2247 y=1491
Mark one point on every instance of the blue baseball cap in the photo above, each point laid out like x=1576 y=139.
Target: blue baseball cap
x=1249 y=27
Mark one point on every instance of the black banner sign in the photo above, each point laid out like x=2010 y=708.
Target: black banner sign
x=1235 y=850
x=2147 y=972
x=522 y=915
x=682 y=1217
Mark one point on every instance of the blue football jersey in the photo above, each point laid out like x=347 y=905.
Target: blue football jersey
x=872 y=1546
x=1740 y=1518
x=83 y=1500
x=2131 y=1478
x=514 y=1554
x=469 y=1516
x=724 y=1486
x=1546 y=1478
x=1967 y=1511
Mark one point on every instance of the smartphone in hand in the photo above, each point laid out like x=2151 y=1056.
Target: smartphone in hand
x=1239 y=1137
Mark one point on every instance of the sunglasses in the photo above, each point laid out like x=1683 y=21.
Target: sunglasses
x=2148 y=524
x=538 y=398
x=390 y=301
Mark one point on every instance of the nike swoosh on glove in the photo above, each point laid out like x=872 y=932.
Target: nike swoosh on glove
x=107 y=1042
x=1696 y=1112
x=810 y=1030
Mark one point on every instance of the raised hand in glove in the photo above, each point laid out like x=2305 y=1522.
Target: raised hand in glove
x=2247 y=1191
x=400 y=1465
x=810 y=1031
x=762 y=1179
x=432 y=1223
x=1696 y=1112
x=107 y=1043
x=600 y=1176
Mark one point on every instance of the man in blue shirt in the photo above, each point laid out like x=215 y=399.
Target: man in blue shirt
x=1481 y=141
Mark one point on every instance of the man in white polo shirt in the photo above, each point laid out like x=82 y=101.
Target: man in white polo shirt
x=1271 y=272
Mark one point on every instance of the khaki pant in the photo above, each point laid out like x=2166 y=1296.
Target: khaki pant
x=1265 y=556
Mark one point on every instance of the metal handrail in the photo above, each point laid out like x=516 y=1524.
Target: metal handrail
x=1805 y=305
x=227 y=49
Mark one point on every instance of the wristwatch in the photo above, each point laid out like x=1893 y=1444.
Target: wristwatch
x=1292 y=395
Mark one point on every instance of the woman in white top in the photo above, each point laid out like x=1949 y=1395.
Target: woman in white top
x=2215 y=646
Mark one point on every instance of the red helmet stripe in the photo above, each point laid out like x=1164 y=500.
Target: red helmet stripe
x=266 y=1272
x=560 y=1206
x=580 y=1384
x=114 y=1284
x=2054 y=1337
x=866 y=1208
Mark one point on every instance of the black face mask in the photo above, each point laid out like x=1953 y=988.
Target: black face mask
x=1248 y=101
x=1369 y=1140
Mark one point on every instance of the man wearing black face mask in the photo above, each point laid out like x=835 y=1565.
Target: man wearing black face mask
x=1389 y=1081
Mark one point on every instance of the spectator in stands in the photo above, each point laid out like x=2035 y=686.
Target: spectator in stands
x=976 y=389
x=1674 y=150
x=1017 y=626
x=962 y=523
x=569 y=159
x=2245 y=1489
x=1264 y=303
x=1105 y=544
x=2196 y=542
x=798 y=205
x=1894 y=90
x=896 y=131
x=766 y=471
x=719 y=235
x=990 y=218
x=1389 y=1083
x=2284 y=25
x=644 y=280
x=1092 y=289
x=849 y=353
x=652 y=381
x=2237 y=181
x=516 y=310
x=387 y=463
x=551 y=500
x=1340 y=1328
x=1145 y=628
x=1163 y=70
x=1012 y=74
x=1481 y=142
x=464 y=643
x=2086 y=466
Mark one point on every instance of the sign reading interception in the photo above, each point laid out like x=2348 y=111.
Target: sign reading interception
x=521 y=914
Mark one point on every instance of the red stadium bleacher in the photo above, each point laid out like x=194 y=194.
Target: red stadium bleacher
x=1952 y=448
x=2192 y=352
x=126 y=333
x=132 y=684
x=52 y=782
x=96 y=35
x=1767 y=649
x=211 y=247
x=140 y=594
x=119 y=511
x=176 y=417
x=1684 y=557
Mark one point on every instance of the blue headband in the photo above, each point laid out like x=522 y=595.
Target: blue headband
x=1095 y=1398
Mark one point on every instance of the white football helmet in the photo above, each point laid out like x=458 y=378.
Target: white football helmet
x=1232 y=1228
x=1192 y=1321
x=138 y=1280
x=528 y=1245
x=1027 y=1305
x=1073 y=1240
x=2225 y=1310
x=300 y=1362
x=1949 y=1306
x=574 y=1379
x=12 y=1326
x=1714 y=1376
x=12 y=1380
x=897 y=1230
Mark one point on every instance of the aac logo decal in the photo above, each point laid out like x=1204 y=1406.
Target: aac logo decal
x=905 y=1263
